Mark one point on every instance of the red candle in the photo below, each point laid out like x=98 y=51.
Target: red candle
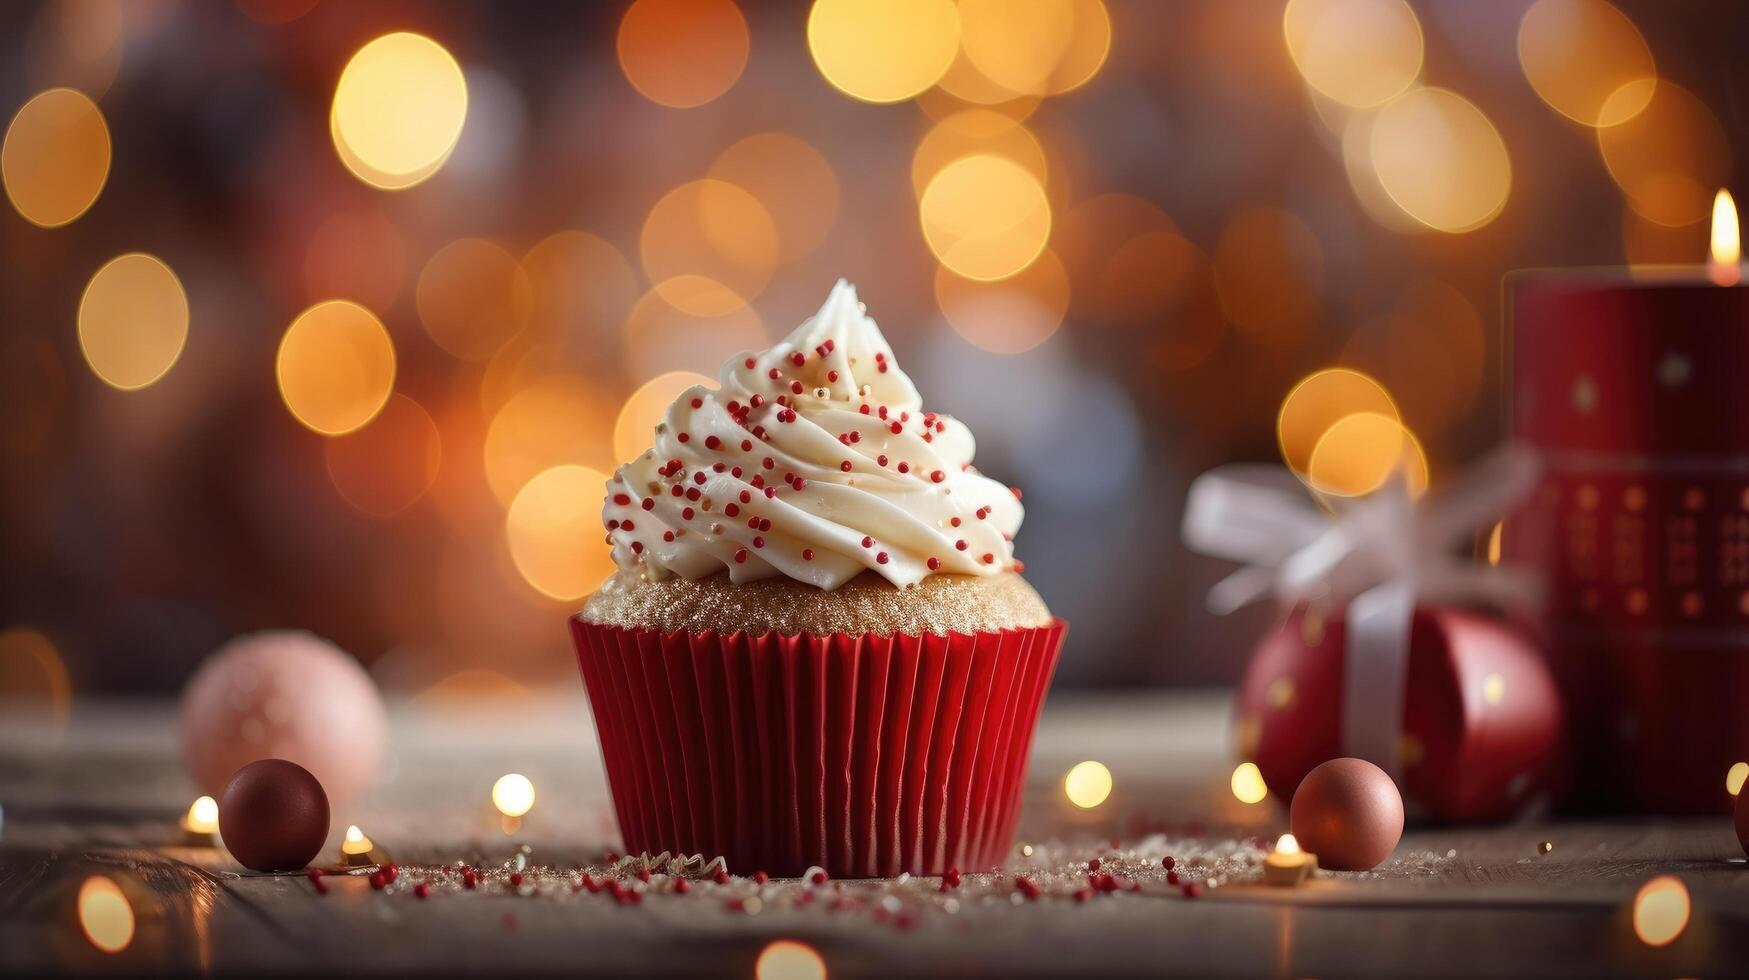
x=1636 y=390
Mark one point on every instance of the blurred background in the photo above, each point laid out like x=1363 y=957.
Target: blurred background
x=310 y=310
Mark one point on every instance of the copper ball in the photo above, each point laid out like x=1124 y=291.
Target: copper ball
x=1349 y=813
x=273 y=816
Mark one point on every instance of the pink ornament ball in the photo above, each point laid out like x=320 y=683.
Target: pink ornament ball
x=283 y=694
x=1349 y=813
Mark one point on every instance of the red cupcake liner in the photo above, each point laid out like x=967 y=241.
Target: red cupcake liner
x=864 y=755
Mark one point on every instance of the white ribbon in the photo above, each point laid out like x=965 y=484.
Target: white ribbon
x=1379 y=555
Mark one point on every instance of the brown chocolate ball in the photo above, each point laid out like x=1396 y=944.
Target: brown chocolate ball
x=273 y=816
x=1349 y=813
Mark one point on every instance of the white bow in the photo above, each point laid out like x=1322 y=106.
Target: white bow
x=1379 y=555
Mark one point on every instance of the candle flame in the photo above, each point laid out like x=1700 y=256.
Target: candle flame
x=355 y=842
x=1727 y=244
x=1287 y=844
x=203 y=816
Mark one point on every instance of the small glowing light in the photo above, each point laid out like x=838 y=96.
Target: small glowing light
x=357 y=843
x=1320 y=401
x=1544 y=847
x=712 y=230
x=1735 y=777
x=1362 y=452
x=1088 y=46
x=1578 y=53
x=1726 y=253
x=1288 y=864
x=1087 y=784
x=202 y=816
x=682 y=53
x=133 y=321
x=398 y=110
x=787 y=959
x=1360 y=53
x=105 y=915
x=985 y=217
x=554 y=532
x=1016 y=45
x=1661 y=910
x=513 y=794
x=1248 y=785
x=1494 y=537
x=76 y=44
x=473 y=298
x=1668 y=158
x=1287 y=844
x=883 y=50
x=32 y=673
x=55 y=159
x=1493 y=689
x=634 y=430
x=385 y=466
x=1441 y=160
x=336 y=367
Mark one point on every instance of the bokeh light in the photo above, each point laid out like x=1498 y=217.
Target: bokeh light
x=985 y=217
x=683 y=53
x=1319 y=402
x=1661 y=909
x=1441 y=160
x=33 y=675
x=1247 y=784
x=76 y=44
x=1088 y=46
x=883 y=50
x=336 y=367
x=634 y=429
x=1735 y=777
x=1578 y=53
x=398 y=110
x=1088 y=240
x=1016 y=45
x=1362 y=452
x=557 y=419
x=104 y=914
x=357 y=253
x=791 y=180
x=580 y=287
x=555 y=536
x=385 y=466
x=473 y=297
x=711 y=229
x=513 y=794
x=33 y=394
x=275 y=12
x=663 y=333
x=133 y=320
x=1358 y=52
x=1270 y=269
x=1007 y=317
x=787 y=959
x=55 y=159
x=1668 y=158
x=1430 y=350
x=971 y=132
x=1087 y=784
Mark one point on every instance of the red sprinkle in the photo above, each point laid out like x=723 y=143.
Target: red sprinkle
x=748 y=363
x=1168 y=862
x=1027 y=887
x=796 y=388
x=649 y=504
x=422 y=891
x=867 y=542
x=798 y=358
x=807 y=554
x=621 y=499
x=831 y=376
x=721 y=877
x=681 y=887
x=740 y=555
x=758 y=542
x=698 y=403
x=937 y=476
x=881 y=559
x=818 y=877
x=960 y=544
x=683 y=437
x=712 y=442
x=773 y=374
x=845 y=466
x=760 y=877
x=934 y=563
x=746 y=445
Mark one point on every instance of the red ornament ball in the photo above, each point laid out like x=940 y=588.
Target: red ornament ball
x=1348 y=812
x=273 y=816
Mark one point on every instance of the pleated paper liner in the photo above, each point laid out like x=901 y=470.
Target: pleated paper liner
x=865 y=755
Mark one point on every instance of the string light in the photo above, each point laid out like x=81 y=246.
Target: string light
x=1087 y=784
x=1248 y=785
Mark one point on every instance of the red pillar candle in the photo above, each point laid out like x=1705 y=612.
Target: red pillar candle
x=1636 y=390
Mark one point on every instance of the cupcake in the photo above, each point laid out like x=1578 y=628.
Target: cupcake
x=817 y=650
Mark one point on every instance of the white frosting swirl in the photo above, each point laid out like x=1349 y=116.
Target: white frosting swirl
x=813 y=460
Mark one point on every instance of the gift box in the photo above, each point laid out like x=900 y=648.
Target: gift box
x=1480 y=720
x=1633 y=393
x=862 y=755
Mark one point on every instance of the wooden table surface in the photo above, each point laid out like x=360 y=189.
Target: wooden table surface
x=102 y=796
